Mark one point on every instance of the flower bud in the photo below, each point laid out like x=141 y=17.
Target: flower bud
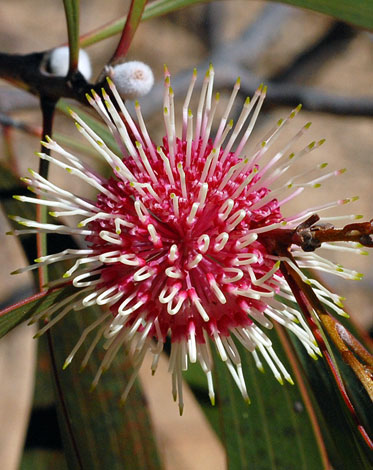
x=132 y=79
x=58 y=62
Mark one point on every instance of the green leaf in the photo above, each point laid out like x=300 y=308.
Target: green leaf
x=11 y=317
x=356 y=12
x=275 y=431
x=152 y=10
x=345 y=445
x=97 y=126
x=97 y=433
x=43 y=459
x=105 y=435
x=72 y=20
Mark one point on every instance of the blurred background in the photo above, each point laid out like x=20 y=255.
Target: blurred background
x=301 y=55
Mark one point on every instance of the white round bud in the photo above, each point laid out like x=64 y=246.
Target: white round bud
x=132 y=79
x=58 y=62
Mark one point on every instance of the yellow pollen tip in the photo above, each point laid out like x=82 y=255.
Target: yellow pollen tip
x=321 y=142
x=110 y=82
x=308 y=125
x=66 y=365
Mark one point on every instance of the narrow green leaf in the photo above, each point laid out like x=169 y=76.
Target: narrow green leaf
x=275 y=431
x=67 y=141
x=106 y=435
x=97 y=126
x=11 y=317
x=152 y=10
x=43 y=459
x=72 y=21
x=98 y=434
x=356 y=12
x=345 y=445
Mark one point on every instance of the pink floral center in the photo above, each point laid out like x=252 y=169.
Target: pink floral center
x=189 y=248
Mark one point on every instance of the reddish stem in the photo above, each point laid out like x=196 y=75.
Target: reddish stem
x=307 y=300
x=129 y=29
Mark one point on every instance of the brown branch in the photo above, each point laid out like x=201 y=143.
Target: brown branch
x=28 y=72
x=309 y=236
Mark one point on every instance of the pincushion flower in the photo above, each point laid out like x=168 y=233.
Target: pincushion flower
x=179 y=241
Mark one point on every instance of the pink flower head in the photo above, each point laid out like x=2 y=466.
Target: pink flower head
x=176 y=243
